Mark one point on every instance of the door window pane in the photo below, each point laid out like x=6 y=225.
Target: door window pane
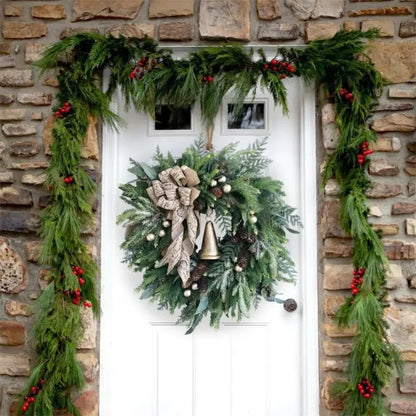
x=169 y=118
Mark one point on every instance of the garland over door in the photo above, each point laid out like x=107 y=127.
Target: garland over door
x=262 y=366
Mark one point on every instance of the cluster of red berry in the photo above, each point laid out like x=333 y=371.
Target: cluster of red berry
x=207 y=78
x=68 y=180
x=347 y=95
x=365 y=388
x=142 y=67
x=78 y=272
x=365 y=151
x=77 y=296
x=282 y=67
x=34 y=391
x=63 y=111
x=357 y=279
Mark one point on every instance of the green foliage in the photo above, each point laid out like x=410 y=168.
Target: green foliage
x=79 y=62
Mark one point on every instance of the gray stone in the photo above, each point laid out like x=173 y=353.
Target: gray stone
x=16 y=78
x=407 y=29
x=6 y=99
x=15 y=196
x=89 y=364
x=25 y=149
x=312 y=9
x=13 y=274
x=394 y=277
x=19 y=222
x=12 y=364
x=391 y=106
x=33 y=250
x=332 y=188
x=408 y=384
x=34 y=51
x=402 y=92
x=39 y=98
x=6 y=177
x=337 y=276
x=14 y=114
x=384 y=190
x=395 y=122
x=89 y=323
x=279 y=31
x=7 y=61
x=22 y=129
x=99 y=9
x=411 y=188
x=329 y=224
x=381 y=167
x=330 y=133
x=403 y=407
x=224 y=19
x=34 y=179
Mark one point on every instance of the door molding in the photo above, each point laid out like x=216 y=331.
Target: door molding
x=308 y=269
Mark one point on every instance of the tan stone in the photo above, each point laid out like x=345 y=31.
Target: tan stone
x=36 y=116
x=332 y=188
x=51 y=82
x=403 y=407
x=132 y=30
x=224 y=19
x=98 y=9
x=320 y=30
x=176 y=31
x=395 y=60
x=6 y=99
x=387 y=144
x=89 y=323
x=11 y=10
x=163 y=8
x=87 y=403
x=30 y=179
x=20 y=30
x=394 y=277
x=37 y=98
x=44 y=278
x=350 y=25
x=33 y=249
x=89 y=364
x=411 y=226
x=90 y=148
x=12 y=114
x=407 y=91
x=386 y=229
x=22 y=129
x=34 y=51
x=382 y=167
x=335 y=348
x=384 y=190
x=13 y=364
x=405 y=299
x=28 y=166
x=333 y=331
x=381 y=11
x=71 y=31
x=392 y=106
x=331 y=402
x=14 y=308
x=13 y=273
x=6 y=177
x=334 y=365
x=12 y=333
x=307 y=9
x=268 y=9
x=386 y=27
x=332 y=304
x=329 y=224
x=374 y=211
x=337 y=276
x=410 y=170
x=330 y=133
x=395 y=122
x=408 y=384
x=16 y=78
x=49 y=11
x=408 y=356
x=338 y=247
x=411 y=159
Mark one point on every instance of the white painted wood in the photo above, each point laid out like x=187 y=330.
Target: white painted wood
x=264 y=366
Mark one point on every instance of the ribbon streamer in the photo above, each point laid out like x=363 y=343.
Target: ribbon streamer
x=175 y=192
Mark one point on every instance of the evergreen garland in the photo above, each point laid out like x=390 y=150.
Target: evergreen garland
x=340 y=64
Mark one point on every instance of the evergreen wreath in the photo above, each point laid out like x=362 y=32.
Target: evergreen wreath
x=339 y=64
x=249 y=210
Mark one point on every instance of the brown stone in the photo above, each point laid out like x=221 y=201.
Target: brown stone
x=14 y=114
x=99 y=9
x=279 y=31
x=332 y=304
x=4 y=48
x=6 y=99
x=16 y=78
x=320 y=30
x=330 y=226
x=22 y=129
x=387 y=144
x=407 y=29
x=395 y=122
x=51 y=82
x=405 y=299
x=34 y=51
x=28 y=148
x=89 y=364
x=403 y=407
x=381 y=167
x=411 y=146
x=381 y=11
x=331 y=402
x=12 y=364
x=411 y=188
x=7 y=61
x=162 y=8
x=132 y=30
x=384 y=190
x=71 y=31
x=89 y=323
x=28 y=166
x=13 y=274
x=386 y=27
x=410 y=226
x=402 y=92
x=395 y=60
x=87 y=403
x=386 y=229
x=19 y=222
x=338 y=247
x=33 y=250
x=14 y=308
x=90 y=148
x=39 y=98
x=44 y=278
x=306 y=9
x=224 y=19
x=408 y=384
x=176 y=31
x=30 y=179
x=389 y=106
x=334 y=348
x=21 y=30
x=399 y=250
x=15 y=196
x=268 y=9
x=12 y=333
x=49 y=11
x=6 y=177
x=337 y=276
x=10 y=10
x=400 y=208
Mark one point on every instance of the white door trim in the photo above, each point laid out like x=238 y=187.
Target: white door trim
x=308 y=281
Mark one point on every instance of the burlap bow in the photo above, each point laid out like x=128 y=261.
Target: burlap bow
x=175 y=192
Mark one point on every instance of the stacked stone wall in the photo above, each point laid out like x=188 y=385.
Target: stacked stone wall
x=26 y=100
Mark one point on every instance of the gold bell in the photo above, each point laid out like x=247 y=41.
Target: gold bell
x=209 y=250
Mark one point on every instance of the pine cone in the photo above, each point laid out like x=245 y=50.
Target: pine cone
x=197 y=205
x=202 y=284
x=235 y=238
x=252 y=238
x=242 y=262
x=252 y=249
x=243 y=258
x=201 y=267
x=242 y=233
x=217 y=192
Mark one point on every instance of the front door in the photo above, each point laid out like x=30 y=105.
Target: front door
x=257 y=367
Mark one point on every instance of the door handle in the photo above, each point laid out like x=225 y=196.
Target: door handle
x=289 y=305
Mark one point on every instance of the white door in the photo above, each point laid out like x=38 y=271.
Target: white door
x=262 y=366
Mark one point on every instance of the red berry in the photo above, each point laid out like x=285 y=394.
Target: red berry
x=31 y=399
x=132 y=75
x=144 y=59
x=140 y=64
x=80 y=271
x=266 y=66
x=284 y=65
x=75 y=301
x=273 y=62
x=50 y=187
x=204 y=78
x=81 y=281
x=366 y=395
x=33 y=389
x=355 y=291
x=342 y=91
x=283 y=76
x=352 y=286
x=41 y=381
x=57 y=113
x=210 y=79
x=274 y=68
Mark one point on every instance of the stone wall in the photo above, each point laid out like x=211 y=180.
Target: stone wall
x=25 y=108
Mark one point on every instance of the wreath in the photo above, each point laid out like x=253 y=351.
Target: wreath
x=227 y=275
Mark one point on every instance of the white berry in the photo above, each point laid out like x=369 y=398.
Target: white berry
x=253 y=219
x=238 y=268
x=150 y=237
x=252 y=212
x=222 y=179
x=162 y=233
x=213 y=183
x=194 y=286
x=226 y=188
x=166 y=224
x=187 y=293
